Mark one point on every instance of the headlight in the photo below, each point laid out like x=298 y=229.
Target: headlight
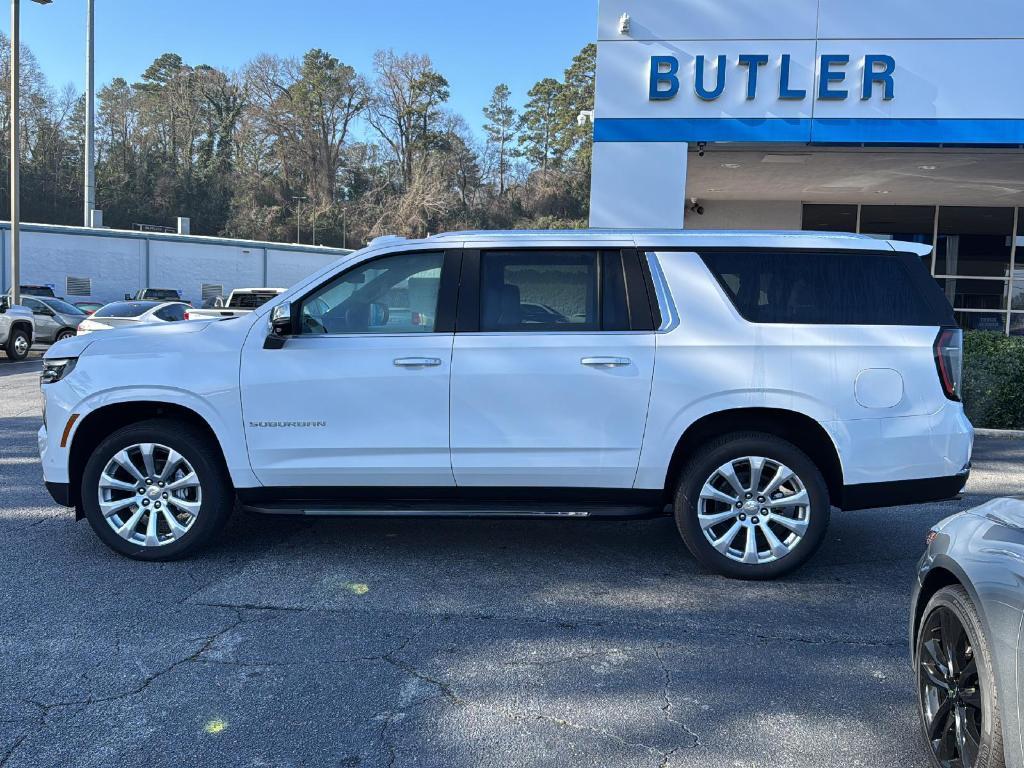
x=56 y=369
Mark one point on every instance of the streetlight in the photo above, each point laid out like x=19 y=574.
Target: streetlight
x=298 y=216
x=90 y=115
x=16 y=149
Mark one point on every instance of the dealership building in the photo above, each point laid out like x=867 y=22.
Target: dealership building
x=898 y=120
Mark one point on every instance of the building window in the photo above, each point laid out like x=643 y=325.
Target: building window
x=977 y=257
x=973 y=262
x=830 y=218
x=913 y=223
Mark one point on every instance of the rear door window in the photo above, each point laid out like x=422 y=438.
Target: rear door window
x=552 y=291
x=828 y=288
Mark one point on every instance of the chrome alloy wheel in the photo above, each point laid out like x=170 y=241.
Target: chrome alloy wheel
x=149 y=494
x=21 y=345
x=754 y=510
x=950 y=690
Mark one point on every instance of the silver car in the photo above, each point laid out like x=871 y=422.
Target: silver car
x=127 y=314
x=967 y=608
x=56 y=320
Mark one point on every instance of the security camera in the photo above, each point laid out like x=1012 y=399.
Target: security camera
x=701 y=146
x=696 y=207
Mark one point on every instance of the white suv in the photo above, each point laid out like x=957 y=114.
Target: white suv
x=749 y=380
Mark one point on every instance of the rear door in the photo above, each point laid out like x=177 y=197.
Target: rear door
x=551 y=369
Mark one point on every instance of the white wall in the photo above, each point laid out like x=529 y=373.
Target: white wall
x=123 y=262
x=747 y=214
x=640 y=185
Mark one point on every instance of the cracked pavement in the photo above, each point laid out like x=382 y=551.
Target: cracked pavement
x=447 y=643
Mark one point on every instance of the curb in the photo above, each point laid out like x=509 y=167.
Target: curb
x=1001 y=434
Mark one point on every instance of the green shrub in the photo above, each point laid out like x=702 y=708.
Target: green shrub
x=993 y=389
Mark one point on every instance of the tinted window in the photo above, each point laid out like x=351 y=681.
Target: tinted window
x=552 y=291
x=171 y=314
x=162 y=294
x=35 y=305
x=38 y=290
x=125 y=309
x=249 y=300
x=394 y=294
x=852 y=289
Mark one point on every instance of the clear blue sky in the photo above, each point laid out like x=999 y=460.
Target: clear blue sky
x=474 y=44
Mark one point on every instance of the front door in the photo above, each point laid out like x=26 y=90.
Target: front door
x=552 y=374
x=360 y=396
x=46 y=325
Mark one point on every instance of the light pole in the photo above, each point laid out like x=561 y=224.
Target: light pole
x=298 y=217
x=16 y=149
x=90 y=115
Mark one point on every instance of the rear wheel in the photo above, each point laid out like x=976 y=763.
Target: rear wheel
x=956 y=686
x=18 y=344
x=752 y=506
x=67 y=333
x=157 y=490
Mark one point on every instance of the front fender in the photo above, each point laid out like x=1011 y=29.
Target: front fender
x=222 y=413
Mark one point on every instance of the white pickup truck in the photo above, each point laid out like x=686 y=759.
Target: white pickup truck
x=17 y=329
x=240 y=302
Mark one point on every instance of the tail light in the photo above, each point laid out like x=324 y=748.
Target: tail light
x=949 y=359
x=186 y=314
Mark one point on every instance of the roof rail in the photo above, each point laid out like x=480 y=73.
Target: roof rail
x=386 y=239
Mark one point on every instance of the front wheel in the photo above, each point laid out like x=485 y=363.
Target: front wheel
x=67 y=333
x=752 y=506
x=156 y=490
x=18 y=345
x=956 y=686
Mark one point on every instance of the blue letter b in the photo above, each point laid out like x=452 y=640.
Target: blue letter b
x=664 y=70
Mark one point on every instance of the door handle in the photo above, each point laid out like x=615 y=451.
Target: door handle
x=605 y=362
x=417 y=362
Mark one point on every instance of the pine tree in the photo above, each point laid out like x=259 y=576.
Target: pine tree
x=501 y=130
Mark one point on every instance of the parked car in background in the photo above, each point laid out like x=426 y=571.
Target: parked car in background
x=88 y=306
x=17 y=329
x=122 y=314
x=795 y=372
x=966 y=639
x=157 y=294
x=37 y=290
x=56 y=320
x=240 y=302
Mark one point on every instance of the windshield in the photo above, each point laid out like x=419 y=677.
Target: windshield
x=126 y=308
x=62 y=306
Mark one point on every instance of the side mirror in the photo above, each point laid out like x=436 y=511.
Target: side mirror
x=280 y=326
x=5 y=303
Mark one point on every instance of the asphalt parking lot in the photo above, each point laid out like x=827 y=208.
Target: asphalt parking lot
x=446 y=643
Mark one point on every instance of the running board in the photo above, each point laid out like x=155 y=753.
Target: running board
x=448 y=510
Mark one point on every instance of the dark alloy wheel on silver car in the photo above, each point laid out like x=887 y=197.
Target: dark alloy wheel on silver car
x=956 y=686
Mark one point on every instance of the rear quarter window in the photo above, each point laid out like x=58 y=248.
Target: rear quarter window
x=849 y=288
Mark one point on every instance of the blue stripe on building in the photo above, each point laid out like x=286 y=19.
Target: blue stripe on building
x=812 y=130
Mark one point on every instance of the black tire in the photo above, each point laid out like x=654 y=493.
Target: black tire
x=216 y=502
x=12 y=344
x=66 y=333
x=977 y=686
x=734 y=447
